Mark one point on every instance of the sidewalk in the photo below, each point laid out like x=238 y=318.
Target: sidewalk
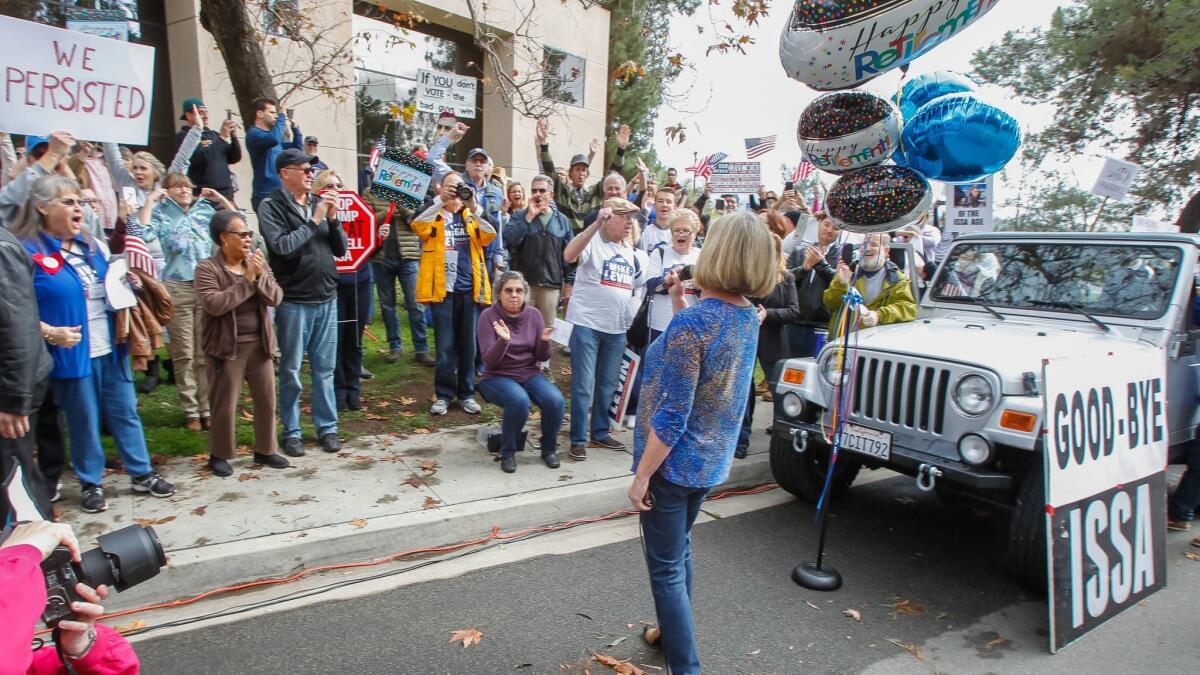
x=380 y=495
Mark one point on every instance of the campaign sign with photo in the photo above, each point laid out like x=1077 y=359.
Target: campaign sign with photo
x=969 y=208
x=402 y=179
x=1105 y=439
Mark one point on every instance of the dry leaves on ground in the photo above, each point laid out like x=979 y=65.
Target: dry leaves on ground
x=147 y=522
x=130 y=627
x=428 y=465
x=621 y=667
x=359 y=523
x=408 y=400
x=421 y=431
x=381 y=404
x=244 y=414
x=415 y=481
x=853 y=614
x=407 y=413
x=374 y=418
x=430 y=503
x=467 y=637
x=906 y=606
x=810 y=604
x=911 y=649
x=242 y=478
x=199 y=510
x=1191 y=556
x=158 y=460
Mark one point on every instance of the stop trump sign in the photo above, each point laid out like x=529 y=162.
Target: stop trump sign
x=362 y=235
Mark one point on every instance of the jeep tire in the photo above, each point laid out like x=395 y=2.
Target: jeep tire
x=803 y=474
x=1027 y=531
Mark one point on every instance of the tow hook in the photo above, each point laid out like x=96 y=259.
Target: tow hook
x=927 y=475
x=802 y=434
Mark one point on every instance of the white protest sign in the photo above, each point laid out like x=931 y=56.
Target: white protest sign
x=96 y=88
x=1149 y=224
x=438 y=91
x=736 y=177
x=562 y=332
x=1115 y=179
x=969 y=207
x=1105 y=438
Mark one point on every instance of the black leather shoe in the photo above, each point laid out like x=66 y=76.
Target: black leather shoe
x=551 y=460
x=331 y=443
x=293 y=447
x=353 y=402
x=220 y=467
x=275 y=461
x=342 y=406
x=740 y=452
x=508 y=464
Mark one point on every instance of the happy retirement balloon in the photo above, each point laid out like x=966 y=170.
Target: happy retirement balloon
x=923 y=88
x=839 y=44
x=879 y=199
x=847 y=130
x=958 y=139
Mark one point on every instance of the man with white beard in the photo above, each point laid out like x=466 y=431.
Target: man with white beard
x=886 y=291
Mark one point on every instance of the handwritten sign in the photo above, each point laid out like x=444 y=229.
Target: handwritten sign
x=95 y=87
x=438 y=91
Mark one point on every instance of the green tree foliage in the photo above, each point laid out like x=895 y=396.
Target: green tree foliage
x=1055 y=204
x=1124 y=74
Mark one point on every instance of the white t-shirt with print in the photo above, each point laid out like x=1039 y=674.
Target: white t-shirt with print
x=608 y=281
x=654 y=237
x=661 y=308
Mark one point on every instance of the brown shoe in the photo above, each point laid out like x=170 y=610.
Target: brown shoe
x=607 y=442
x=578 y=453
x=768 y=396
x=1179 y=525
x=192 y=424
x=425 y=359
x=762 y=387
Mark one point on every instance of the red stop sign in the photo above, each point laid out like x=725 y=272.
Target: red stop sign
x=358 y=220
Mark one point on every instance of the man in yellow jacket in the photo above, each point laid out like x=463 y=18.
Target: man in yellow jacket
x=453 y=280
x=886 y=291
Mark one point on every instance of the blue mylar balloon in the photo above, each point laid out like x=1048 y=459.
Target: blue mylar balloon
x=958 y=139
x=923 y=88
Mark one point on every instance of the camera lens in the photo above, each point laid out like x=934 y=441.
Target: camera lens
x=125 y=558
x=464 y=192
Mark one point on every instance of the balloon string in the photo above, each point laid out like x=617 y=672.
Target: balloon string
x=899 y=88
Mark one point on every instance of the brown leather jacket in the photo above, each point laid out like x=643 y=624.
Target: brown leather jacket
x=220 y=292
x=141 y=326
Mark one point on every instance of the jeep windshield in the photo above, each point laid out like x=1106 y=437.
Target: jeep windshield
x=1122 y=280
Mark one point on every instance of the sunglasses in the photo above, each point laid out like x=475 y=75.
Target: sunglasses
x=308 y=170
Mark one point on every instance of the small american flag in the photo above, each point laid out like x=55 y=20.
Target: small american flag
x=803 y=171
x=816 y=202
x=136 y=251
x=756 y=147
x=707 y=165
x=953 y=287
x=376 y=153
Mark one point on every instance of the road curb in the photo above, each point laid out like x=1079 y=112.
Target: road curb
x=193 y=571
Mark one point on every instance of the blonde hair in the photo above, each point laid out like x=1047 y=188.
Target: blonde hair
x=729 y=259
x=323 y=179
x=686 y=216
x=156 y=166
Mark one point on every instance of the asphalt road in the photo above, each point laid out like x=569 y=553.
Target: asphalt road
x=921 y=574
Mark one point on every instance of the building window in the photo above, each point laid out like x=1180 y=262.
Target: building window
x=563 y=77
x=279 y=16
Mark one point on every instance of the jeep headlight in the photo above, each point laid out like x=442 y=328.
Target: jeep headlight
x=829 y=368
x=791 y=404
x=973 y=395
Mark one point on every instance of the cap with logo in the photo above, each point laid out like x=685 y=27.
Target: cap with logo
x=293 y=156
x=188 y=104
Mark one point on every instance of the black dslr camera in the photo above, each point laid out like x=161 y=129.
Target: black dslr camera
x=125 y=558
x=464 y=192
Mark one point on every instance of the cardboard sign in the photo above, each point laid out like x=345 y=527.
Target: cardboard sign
x=97 y=88
x=402 y=179
x=736 y=177
x=1115 y=179
x=438 y=91
x=358 y=219
x=629 y=368
x=1105 y=438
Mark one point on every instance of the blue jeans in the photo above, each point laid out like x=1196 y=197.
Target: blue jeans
x=515 y=397
x=108 y=392
x=802 y=340
x=768 y=370
x=308 y=329
x=667 y=538
x=454 y=336
x=595 y=365
x=1183 y=502
x=386 y=274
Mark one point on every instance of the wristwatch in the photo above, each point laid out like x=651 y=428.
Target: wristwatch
x=90 y=643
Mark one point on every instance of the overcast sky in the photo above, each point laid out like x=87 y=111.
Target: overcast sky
x=742 y=96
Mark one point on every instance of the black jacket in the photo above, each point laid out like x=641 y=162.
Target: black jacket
x=302 y=252
x=781 y=311
x=211 y=160
x=24 y=360
x=811 y=285
x=537 y=251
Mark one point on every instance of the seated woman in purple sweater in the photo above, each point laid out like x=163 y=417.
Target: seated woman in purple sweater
x=513 y=338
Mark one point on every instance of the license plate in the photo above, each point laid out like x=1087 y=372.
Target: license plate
x=867 y=441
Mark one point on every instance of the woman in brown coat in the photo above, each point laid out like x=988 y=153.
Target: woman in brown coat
x=235 y=287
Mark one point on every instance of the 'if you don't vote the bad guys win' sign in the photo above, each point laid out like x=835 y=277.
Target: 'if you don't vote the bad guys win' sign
x=1106 y=441
x=95 y=87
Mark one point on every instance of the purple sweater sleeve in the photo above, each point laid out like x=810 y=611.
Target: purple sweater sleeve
x=541 y=352
x=491 y=347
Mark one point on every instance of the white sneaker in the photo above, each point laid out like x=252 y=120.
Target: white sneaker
x=470 y=406
x=630 y=421
x=439 y=407
x=57 y=492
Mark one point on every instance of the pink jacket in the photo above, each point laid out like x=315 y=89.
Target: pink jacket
x=21 y=605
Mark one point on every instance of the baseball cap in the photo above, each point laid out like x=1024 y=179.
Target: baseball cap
x=479 y=151
x=293 y=156
x=188 y=104
x=621 y=206
x=446 y=119
x=32 y=142
x=311 y=139
x=579 y=159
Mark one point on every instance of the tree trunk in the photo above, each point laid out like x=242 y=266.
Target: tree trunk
x=233 y=30
x=1189 y=217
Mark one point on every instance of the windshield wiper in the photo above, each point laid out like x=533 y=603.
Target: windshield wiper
x=978 y=302
x=1075 y=307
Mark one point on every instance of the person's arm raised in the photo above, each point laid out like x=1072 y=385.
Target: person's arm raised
x=575 y=248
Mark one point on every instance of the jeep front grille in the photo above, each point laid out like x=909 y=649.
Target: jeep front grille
x=898 y=393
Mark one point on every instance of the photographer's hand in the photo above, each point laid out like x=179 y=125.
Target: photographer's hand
x=45 y=536
x=77 y=636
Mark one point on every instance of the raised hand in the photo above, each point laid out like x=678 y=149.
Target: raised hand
x=843 y=272
x=542 y=131
x=501 y=330
x=457 y=132
x=228 y=128
x=546 y=333
x=60 y=144
x=811 y=257
x=623 y=135
x=594 y=146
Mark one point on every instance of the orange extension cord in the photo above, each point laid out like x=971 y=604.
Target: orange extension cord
x=495 y=534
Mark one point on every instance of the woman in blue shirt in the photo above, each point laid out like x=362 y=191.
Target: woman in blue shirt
x=693 y=394
x=91 y=377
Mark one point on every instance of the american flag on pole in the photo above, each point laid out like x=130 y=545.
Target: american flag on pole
x=954 y=285
x=376 y=153
x=136 y=251
x=756 y=147
x=706 y=166
x=803 y=170
x=816 y=202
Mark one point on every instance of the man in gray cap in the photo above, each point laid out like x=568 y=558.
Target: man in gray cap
x=570 y=196
x=489 y=197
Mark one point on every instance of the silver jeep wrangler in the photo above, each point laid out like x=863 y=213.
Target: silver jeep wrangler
x=954 y=397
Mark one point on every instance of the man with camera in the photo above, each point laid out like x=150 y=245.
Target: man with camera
x=536 y=237
x=814 y=266
x=217 y=150
x=80 y=643
x=454 y=280
x=488 y=197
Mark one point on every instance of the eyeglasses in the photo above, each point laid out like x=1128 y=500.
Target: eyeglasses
x=245 y=234
x=71 y=202
x=308 y=170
